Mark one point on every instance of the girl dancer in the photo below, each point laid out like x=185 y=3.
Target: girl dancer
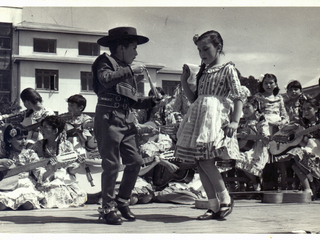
x=207 y=133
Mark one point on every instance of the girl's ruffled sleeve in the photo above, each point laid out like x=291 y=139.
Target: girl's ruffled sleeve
x=66 y=146
x=263 y=127
x=31 y=156
x=234 y=84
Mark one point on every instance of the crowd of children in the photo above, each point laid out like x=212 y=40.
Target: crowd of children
x=55 y=184
x=210 y=122
x=47 y=161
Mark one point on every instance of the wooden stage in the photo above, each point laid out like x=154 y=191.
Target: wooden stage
x=249 y=217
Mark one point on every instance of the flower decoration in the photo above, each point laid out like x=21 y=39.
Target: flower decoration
x=195 y=38
x=13 y=132
x=261 y=78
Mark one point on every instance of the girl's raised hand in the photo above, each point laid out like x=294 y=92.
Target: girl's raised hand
x=185 y=72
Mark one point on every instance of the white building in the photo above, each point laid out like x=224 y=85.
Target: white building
x=56 y=61
x=312 y=87
x=168 y=79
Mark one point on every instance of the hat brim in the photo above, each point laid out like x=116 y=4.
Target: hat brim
x=106 y=41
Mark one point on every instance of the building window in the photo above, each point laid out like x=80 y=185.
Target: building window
x=5 y=29
x=86 y=81
x=5 y=59
x=47 y=79
x=44 y=45
x=169 y=86
x=5 y=83
x=89 y=49
x=5 y=43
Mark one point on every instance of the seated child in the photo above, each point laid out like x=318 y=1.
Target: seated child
x=307 y=154
x=254 y=156
x=57 y=180
x=271 y=103
x=294 y=100
x=77 y=134
x=21 y=194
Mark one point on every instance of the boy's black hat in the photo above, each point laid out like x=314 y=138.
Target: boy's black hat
x=122 y=33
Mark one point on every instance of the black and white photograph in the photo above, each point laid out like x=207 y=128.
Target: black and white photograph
x=151 y=119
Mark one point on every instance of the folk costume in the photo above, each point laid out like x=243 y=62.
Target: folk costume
x=77 y=126
x=308 y=156
x=116 y=88
x=24 y=190
x=294 y=107
x=254 y=158
x=201 y=135
x=273 y=109
x=61 y=190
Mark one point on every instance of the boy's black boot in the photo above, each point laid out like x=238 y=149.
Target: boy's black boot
x=125 y=211
x=109 y=214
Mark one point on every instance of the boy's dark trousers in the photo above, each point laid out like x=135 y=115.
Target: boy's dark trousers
x=115 y=134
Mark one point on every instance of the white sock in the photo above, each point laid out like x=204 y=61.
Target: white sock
x=310 y=178
x=224 y=196
x=214 y=205
x=309 y=191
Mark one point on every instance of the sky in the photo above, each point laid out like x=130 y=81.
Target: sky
x=283 y=40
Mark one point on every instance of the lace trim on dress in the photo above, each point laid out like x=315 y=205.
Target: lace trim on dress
x=217 y=68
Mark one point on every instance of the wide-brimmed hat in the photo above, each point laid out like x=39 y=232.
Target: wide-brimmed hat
x=122 y=33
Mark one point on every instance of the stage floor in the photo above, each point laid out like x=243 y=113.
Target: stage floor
x=248 y=217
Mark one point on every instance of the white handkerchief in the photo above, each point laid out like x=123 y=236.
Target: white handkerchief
x=192 y=80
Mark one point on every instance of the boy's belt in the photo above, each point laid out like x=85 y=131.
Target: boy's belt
x=114 y=101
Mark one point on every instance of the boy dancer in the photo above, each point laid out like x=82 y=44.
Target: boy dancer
x=116 y=88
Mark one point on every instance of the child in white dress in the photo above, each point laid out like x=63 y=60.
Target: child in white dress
x=271 y=103
x=17 y=191
x=208 y=131
x=254 y=153
x=57 y=181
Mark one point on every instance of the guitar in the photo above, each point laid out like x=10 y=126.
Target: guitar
x=163 y=176
x=92 y=185
x=13 y=117
x=30 y=125
x=288 y=137
x=247 y=138
x=9 y=177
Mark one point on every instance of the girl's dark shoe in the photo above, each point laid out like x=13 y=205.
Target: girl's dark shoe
x=226 y=209
x=126 y=213
x=209 y=215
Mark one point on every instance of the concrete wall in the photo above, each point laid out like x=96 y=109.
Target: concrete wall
x=69 y=73
x=167 y=76
x=11 y=14
x=67 y=44
x=69 y=84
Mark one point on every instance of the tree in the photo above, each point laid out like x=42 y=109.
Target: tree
x=251 y=83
